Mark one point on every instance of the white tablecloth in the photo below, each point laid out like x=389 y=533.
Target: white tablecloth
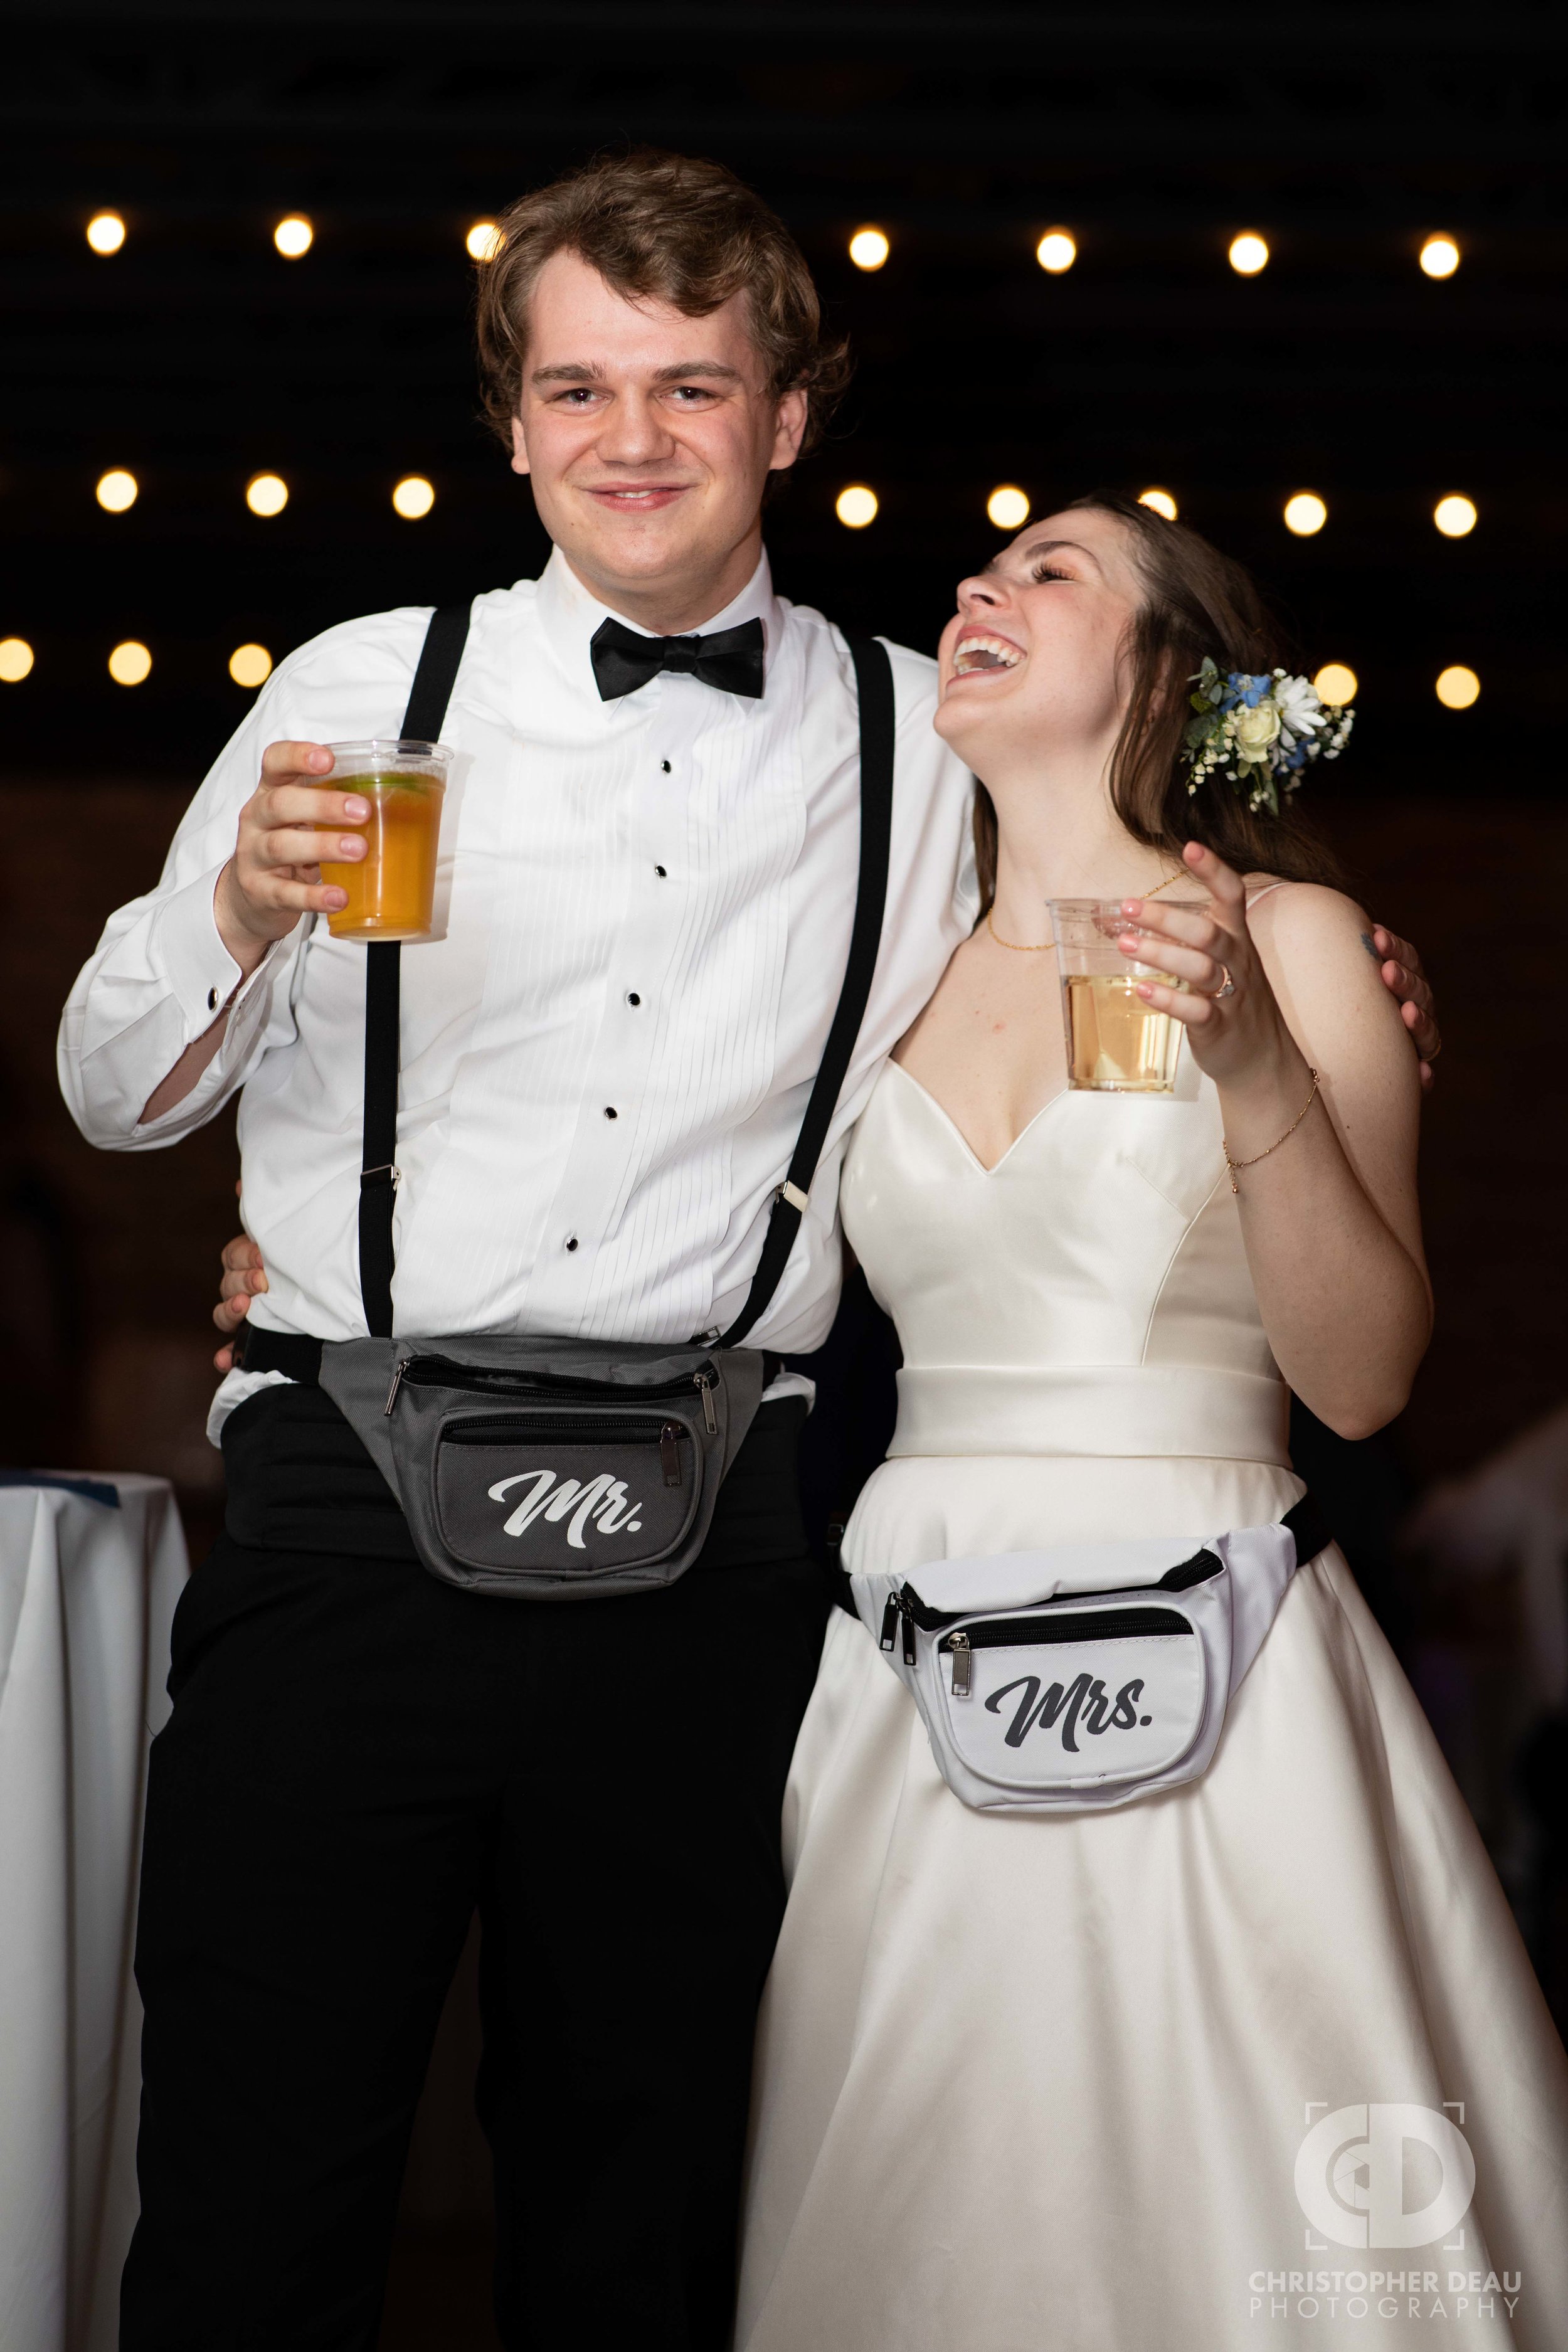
x=87 y=1588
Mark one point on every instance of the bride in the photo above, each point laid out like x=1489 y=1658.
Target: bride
x=1051 y=2080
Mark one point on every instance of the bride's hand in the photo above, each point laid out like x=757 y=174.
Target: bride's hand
x=1229 y=1009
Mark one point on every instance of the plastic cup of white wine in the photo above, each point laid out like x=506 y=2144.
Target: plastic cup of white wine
x=1117 y=1043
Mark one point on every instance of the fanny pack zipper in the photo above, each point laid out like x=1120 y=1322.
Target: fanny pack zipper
x=478 y=1380
x=665 y=1434
x=906 y=1608
x=1041 y=1633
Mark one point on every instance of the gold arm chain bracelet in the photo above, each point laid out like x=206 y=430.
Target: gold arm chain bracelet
x=1234 y=1166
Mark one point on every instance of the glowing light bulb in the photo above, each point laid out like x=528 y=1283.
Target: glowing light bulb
x=1056 y=251
x=267 y=494
x=414 y=496
x=1249 y=253
x=106 y=233
x=1458 y=688
x=1008 y=507
x=855 y=507
x=1161 y=501
x=1439 y=257
x=116 y=491
x=1305 y=513
x=1454 y=517
x=484 y=241
x=129 y=663
x=1336 y=682
x=293 y=236
x=868 y=248
x=16 y=660
x=250 y=665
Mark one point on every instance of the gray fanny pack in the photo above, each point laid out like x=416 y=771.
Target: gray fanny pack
x=554 y=1468
x=549 y=1468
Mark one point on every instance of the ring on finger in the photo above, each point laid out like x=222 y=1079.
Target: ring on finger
x=1229 y=990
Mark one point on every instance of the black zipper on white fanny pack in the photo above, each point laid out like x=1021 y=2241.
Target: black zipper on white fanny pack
x=485 y=1379
x=558 y=1428
x=1037 y=1633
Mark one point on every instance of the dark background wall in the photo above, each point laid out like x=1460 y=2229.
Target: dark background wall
x=197 y=356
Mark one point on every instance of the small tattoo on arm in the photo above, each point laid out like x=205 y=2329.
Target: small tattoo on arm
x=1366 y=942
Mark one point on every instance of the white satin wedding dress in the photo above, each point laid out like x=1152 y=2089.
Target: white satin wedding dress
x=1043 y=2084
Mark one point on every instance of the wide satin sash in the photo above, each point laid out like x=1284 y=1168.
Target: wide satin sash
x=1091 y=1409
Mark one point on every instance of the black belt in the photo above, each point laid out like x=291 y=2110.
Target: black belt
x=299 y=1358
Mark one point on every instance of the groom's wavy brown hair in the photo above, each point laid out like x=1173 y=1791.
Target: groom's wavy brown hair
x=1196 y=601
x=660 y=228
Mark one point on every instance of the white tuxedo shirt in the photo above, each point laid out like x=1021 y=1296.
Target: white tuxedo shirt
x=642 y=907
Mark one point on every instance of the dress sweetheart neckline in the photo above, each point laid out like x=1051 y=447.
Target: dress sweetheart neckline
x=960 y=1138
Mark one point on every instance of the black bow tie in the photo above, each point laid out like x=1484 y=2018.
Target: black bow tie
x=730 y=659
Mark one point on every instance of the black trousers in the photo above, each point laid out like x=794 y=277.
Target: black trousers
x=357 y=1756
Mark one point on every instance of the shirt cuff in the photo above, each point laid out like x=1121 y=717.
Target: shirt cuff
x=186 y=942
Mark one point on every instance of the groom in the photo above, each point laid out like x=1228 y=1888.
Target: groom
x=606 y=1052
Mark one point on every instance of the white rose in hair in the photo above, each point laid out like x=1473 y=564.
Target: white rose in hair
x=1256 y=729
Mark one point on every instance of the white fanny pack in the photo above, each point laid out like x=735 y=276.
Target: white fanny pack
x=1085 y=1675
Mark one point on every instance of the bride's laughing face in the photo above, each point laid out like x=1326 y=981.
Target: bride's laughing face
x=1032 y=663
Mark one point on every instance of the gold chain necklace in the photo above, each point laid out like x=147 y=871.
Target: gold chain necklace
x=1043 y=947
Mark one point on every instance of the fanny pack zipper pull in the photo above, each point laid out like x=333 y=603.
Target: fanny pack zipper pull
x=709 y=1418
x=402 y=1364
x=670 y=1452
x=962 y=1663
x=907 y=1614
x=889 y=1620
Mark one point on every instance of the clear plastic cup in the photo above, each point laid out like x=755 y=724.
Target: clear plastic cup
x=1116 y=1043
x=392 y=889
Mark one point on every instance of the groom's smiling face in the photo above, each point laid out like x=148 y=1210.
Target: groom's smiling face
x=649 y=434
x=1033 y=659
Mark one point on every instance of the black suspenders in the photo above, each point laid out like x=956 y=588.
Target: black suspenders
x=422 y=722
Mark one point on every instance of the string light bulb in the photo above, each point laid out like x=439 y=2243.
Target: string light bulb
x=1439 y=257
x=250 y=665
x=106 y=233
x=412 y=497
x=129 y=663
x=484 y=240
x=1454 y=517
x=267 y=494
x=856 y=506
x=869 y=247
x=1008 y=507
x=1337 y=682
x=1305 y=514
x=116 y=491
x=1249 y=253
x=15 y=661
x=1161 y=501
x=1458 y=687
x=1056 y=251
x=293 y=236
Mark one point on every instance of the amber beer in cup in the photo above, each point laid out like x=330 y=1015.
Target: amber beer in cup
x=392 y=889
x=1116 y=1043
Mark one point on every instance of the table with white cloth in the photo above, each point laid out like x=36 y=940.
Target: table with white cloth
x=90 y=1569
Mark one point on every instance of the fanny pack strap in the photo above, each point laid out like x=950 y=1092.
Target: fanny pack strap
x=1309 y=1531
x=425 y=716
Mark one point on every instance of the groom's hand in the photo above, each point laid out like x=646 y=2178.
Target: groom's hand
x=244 y=1277
x=1403 y=975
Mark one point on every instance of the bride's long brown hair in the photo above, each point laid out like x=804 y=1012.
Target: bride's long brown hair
x=1196 y=601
